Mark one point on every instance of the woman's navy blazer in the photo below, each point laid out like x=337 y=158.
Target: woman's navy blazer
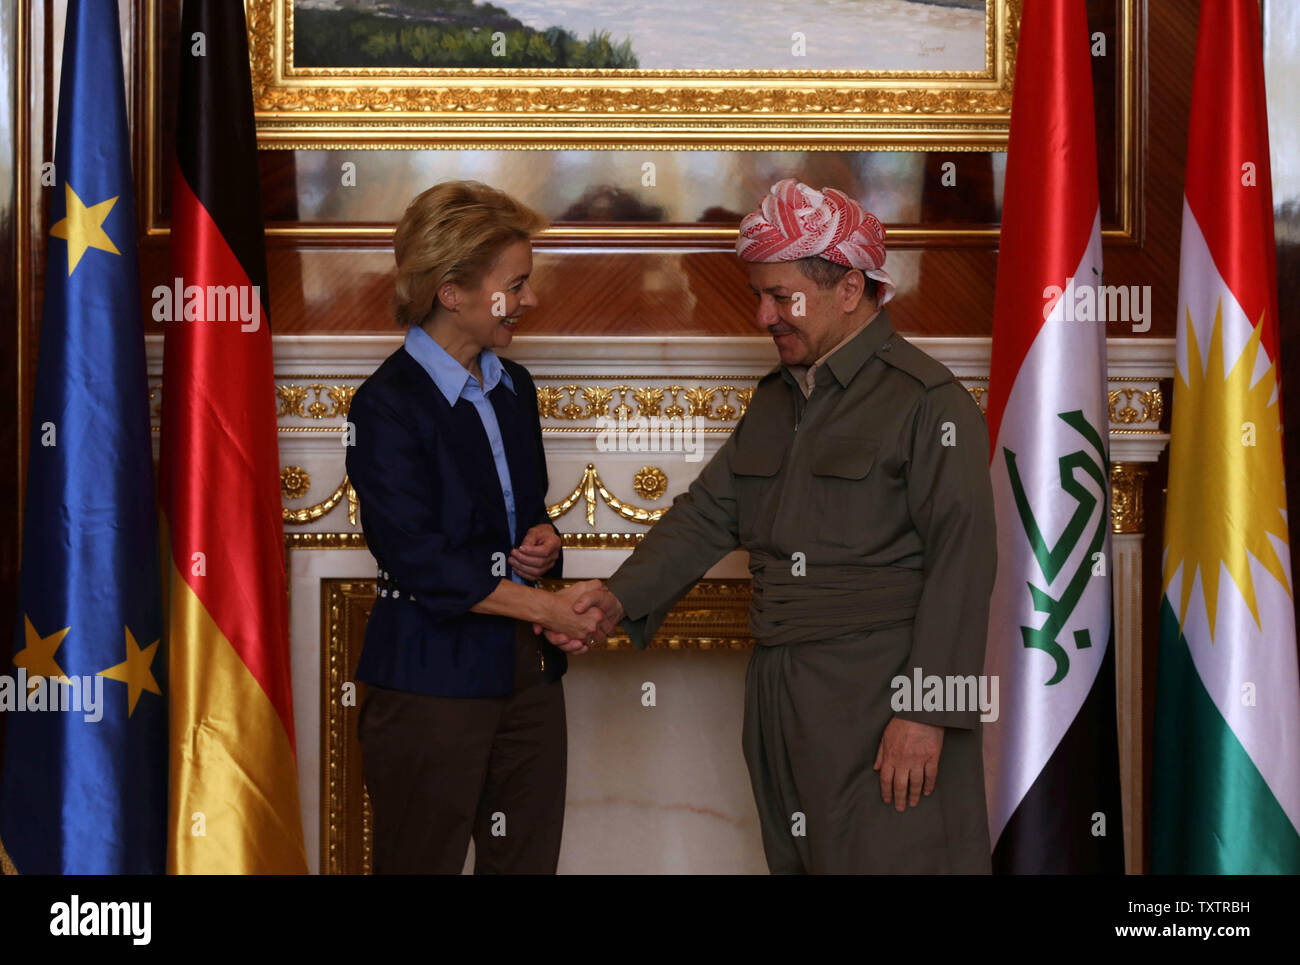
x=435 y=519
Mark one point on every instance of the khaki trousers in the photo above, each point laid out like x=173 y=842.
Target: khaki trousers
x=814 y=716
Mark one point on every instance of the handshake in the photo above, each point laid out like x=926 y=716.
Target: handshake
x=580 y=616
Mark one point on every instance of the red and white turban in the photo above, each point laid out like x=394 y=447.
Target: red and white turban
x=794 y=221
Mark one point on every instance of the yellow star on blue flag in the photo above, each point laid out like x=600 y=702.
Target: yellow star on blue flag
x=83 y=227
x=135 y=671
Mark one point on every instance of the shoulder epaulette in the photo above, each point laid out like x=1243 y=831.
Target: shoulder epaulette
x=906 y=357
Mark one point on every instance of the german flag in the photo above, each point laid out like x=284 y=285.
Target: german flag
x=233 y=802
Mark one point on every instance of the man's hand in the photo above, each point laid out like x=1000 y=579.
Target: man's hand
x=537 y=552
x=571 y=630
x=908 y=761
x=597 y=594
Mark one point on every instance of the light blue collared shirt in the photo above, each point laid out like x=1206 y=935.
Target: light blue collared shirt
x=455 y=382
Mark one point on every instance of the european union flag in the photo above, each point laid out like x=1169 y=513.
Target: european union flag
x=85 y=765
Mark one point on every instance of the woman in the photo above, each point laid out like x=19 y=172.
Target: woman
x=462 y=730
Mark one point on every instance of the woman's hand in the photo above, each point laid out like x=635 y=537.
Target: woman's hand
x=573 y=632
x=537 y=553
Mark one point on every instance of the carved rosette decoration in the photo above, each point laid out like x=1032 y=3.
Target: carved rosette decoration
x=650 y=482
x=1126 y=513
x=294 y=482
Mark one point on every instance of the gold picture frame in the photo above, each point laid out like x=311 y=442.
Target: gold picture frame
x=591 y=109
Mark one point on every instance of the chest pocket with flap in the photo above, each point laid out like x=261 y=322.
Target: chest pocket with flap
x=843 y=501
x=847 y=459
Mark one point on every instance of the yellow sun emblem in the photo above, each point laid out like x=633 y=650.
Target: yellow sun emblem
x=1227 y=490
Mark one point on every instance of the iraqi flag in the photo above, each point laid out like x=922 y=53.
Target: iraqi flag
x=1226 y=775
x=234 y=785
x=1051 y=758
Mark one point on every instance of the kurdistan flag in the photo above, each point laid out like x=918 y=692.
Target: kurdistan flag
x=1226 y=796
x=1051 y=758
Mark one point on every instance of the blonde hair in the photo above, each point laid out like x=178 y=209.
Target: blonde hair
x=453 y=232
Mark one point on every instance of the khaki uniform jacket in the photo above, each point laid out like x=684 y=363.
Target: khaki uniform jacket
x=879 y=479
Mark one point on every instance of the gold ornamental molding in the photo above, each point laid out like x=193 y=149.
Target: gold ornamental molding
x=346 y=837
x=600 y=541
x=587 y=490
x=548 y=430
x=1126 y=508
x=309 y=514
x=1138 y=403
x=356 y=540
x=672 y=403
x=1121 y=407
x=575 y=402
x=751 y=377
x=294 y=400
x=324 y=541
x=312 y=398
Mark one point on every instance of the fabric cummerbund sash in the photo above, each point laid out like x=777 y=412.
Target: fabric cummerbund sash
x=828 y=600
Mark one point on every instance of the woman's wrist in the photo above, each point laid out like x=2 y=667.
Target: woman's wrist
x=511 y=599
x=534 y=605
x=550 y=609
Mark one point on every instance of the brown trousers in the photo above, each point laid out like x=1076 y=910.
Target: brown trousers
x=442 y=769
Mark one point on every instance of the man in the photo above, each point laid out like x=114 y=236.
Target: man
x=858 y=482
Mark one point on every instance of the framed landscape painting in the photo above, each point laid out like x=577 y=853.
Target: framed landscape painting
x=902 y=35
x=602 y=74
